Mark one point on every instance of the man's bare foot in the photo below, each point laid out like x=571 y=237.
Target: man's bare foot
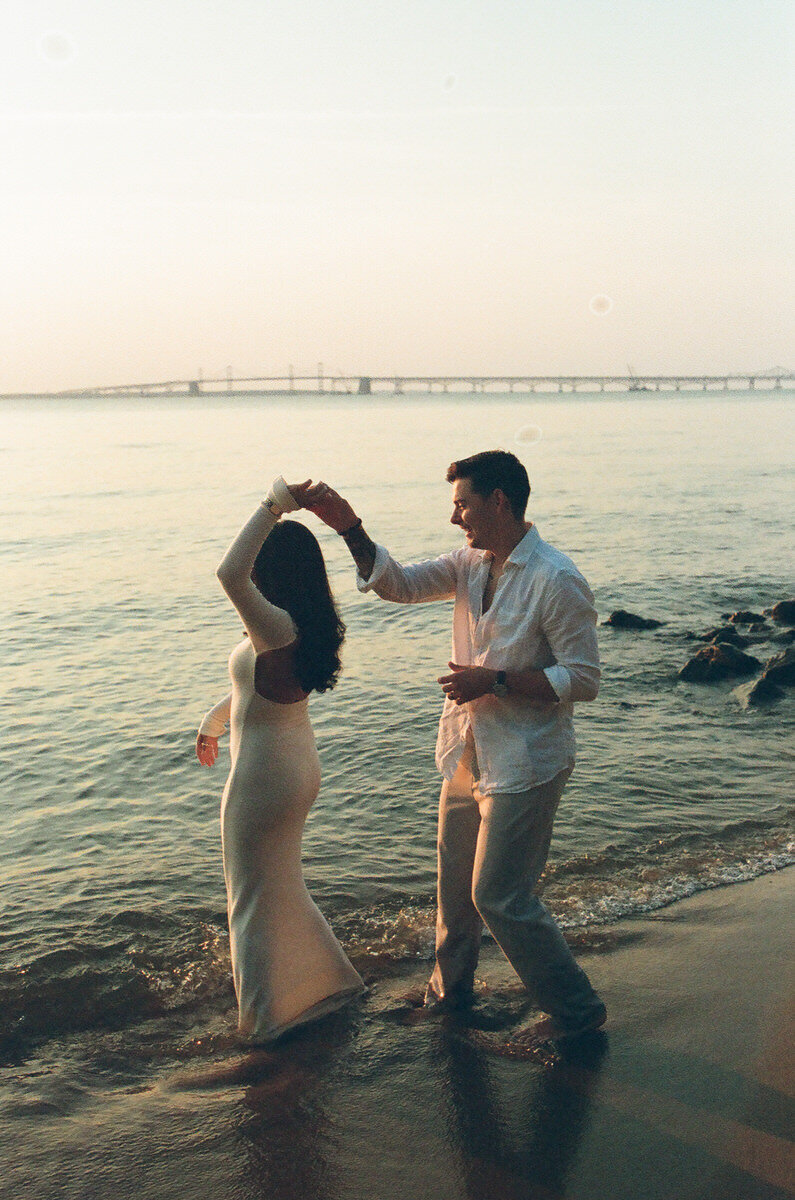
x=545 y=1030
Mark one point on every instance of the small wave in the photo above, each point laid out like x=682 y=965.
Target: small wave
x=626 y=882
x=133 y=967
x=589 y=891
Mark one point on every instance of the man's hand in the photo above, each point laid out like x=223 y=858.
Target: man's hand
x=206 y=750
x=467 y=683
x=331 y=508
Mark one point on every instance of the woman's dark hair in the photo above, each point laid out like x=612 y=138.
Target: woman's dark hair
x=493 y=469
x=290 y=572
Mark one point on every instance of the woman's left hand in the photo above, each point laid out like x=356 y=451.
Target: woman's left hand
x=206 y=749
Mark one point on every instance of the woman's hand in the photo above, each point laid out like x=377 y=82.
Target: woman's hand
x=206 y=750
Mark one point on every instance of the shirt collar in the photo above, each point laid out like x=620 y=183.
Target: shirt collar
x=522 y=551
x=525 y=549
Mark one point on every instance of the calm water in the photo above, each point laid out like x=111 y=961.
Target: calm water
x=115 y=637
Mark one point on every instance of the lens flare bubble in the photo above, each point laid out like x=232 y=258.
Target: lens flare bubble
x=57 y=47
x=600 y=305
x=528 y=434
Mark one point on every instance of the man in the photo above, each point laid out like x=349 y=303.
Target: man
x=524 y=650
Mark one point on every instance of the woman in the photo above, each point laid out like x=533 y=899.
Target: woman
x=288 y=967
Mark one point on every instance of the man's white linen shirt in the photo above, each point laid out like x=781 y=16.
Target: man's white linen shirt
x=542 y=617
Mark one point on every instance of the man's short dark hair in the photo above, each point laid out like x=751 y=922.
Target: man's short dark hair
x=495 y=469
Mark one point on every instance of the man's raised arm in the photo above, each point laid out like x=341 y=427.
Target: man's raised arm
x=434 y=579
x=339 y=516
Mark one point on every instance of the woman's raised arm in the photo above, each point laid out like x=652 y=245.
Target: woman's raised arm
x=268 y=626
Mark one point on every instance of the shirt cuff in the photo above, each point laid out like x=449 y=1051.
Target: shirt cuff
x=560 y=681
x=379 y=566
x=281 y=498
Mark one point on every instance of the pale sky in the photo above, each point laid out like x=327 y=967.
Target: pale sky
x=422 y=186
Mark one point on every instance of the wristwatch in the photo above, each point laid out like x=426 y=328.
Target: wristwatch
x=500 y=686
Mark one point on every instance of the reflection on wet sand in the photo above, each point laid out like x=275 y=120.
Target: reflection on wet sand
x=285 y=1125
x=508 y=1137
x=305 y=1103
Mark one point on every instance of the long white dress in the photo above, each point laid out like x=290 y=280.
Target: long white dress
x=288 y=967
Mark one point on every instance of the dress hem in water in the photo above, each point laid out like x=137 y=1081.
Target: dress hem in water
x=323 y=1007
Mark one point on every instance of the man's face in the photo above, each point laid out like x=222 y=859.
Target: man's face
x=473 y=513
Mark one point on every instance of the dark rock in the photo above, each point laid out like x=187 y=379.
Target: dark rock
x=780 y=669
x=779 y=673
x=743 y=616
x=716 y=662
x=724 y=633
x=785 y=638
x=757 y=692
x=621 y=619
x=758 y=627
x=783 y=612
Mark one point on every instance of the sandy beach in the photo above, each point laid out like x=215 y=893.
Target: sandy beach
x=688 y=1094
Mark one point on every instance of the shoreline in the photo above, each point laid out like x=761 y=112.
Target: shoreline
x=689 y=1093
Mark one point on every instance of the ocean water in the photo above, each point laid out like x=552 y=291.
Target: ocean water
x=115 y=635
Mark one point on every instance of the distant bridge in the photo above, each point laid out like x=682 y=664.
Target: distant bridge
x=371 y=385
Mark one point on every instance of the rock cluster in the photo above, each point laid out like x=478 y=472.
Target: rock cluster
x=724 y=655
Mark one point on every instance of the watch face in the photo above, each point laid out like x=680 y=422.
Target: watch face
x=500 y=690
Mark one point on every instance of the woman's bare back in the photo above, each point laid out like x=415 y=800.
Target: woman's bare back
x=274 y=676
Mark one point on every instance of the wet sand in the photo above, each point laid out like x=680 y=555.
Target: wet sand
x=688 y=1095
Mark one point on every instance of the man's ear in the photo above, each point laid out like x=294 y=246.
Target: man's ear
x=500 y=499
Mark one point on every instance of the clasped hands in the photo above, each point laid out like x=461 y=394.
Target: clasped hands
x=325 y=503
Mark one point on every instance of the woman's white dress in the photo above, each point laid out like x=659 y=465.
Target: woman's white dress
x=288 y=967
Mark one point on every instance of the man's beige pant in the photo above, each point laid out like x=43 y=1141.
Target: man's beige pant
x=492 y=850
